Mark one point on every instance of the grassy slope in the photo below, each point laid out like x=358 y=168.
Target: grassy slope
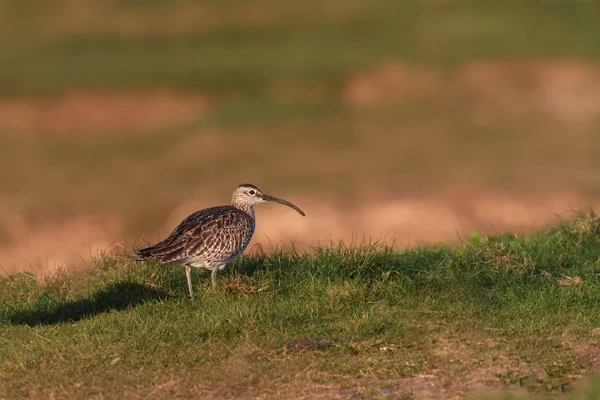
x=492 y=312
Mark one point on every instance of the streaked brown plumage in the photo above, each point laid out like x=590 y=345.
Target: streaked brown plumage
x=213 y=237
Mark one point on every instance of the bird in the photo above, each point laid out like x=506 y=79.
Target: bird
x=213 y=237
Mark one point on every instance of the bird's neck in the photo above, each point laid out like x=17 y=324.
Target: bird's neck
x=245 y=207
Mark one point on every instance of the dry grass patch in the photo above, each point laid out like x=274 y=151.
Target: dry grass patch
x=567 y=90
x=393 y=83
x=85 y=112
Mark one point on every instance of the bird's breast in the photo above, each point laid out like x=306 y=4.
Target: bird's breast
x=247 y=237
x=237 y=239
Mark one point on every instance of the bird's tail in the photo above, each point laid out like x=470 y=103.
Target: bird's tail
x=144 y=254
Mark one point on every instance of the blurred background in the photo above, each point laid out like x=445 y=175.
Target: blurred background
x=414 y=121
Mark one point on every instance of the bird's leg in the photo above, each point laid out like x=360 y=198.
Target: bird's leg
x=213 y=277
x=188 y=275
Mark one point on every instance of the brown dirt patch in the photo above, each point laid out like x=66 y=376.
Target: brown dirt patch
x=589 y=352
x=392 y=83
x=566 y=89
x=468 y=364
x=82 y=112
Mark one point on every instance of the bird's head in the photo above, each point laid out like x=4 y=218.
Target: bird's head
x=246 y=195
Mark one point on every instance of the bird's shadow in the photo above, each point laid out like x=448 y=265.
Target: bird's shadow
x=118 y=296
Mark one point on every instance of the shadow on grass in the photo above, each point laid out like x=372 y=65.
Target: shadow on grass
x=119 y=296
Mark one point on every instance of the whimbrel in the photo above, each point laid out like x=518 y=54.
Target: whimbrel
x=213 y=237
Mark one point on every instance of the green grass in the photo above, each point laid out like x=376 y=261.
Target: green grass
x=512 y=311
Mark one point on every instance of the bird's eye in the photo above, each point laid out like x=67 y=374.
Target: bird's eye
x=251 y=192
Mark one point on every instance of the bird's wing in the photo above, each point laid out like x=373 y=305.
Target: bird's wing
x=203 y=233
x=170 y=249
x=226 y=237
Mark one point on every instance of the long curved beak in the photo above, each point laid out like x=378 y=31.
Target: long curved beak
x=266 y=197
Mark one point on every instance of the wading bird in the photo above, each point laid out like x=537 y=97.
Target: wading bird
x=213 y=237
